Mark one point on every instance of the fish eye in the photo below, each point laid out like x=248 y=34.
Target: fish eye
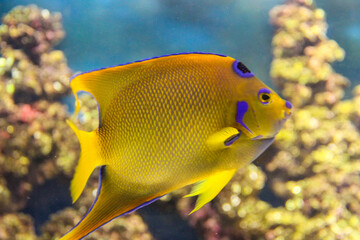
x=264 y=96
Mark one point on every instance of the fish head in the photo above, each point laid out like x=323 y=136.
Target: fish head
x=260 y=111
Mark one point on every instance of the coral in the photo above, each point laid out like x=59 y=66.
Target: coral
x=28 y=82
x=33 y=30
x=32 y=124
x=312 y=169
x=16 y=226
x=36 y=144
x=316 y=163
x=303 y=54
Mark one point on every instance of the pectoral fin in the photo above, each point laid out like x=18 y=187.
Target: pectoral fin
x=208 y=188
x=223 y=138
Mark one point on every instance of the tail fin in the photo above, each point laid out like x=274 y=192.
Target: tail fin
x=89 y=159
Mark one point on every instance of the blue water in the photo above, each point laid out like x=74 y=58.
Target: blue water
x=108 y=32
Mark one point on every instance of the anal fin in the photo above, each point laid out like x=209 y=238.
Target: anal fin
x=207 y=189
x=110 y=202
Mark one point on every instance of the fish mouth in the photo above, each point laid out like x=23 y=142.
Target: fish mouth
x=287 y=113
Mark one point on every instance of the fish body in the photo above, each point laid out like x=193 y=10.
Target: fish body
x=168 y=122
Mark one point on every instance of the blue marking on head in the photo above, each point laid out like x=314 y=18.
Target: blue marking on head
x=146 y=59
x=242 y=70
x=242 y=108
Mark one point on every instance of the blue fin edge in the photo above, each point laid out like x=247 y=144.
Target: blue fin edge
x=101 y=176
x=146 y=59
x=102 y=169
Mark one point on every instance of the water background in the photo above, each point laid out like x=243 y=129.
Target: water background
x=103 y=33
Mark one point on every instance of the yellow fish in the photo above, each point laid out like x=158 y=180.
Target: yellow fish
x=168 y=122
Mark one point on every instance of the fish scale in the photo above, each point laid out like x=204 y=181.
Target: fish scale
x=162 y=107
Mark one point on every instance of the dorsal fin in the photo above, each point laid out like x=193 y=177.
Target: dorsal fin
x=104 y=84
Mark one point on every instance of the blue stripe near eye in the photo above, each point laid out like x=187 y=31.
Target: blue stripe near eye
x=242 y=70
